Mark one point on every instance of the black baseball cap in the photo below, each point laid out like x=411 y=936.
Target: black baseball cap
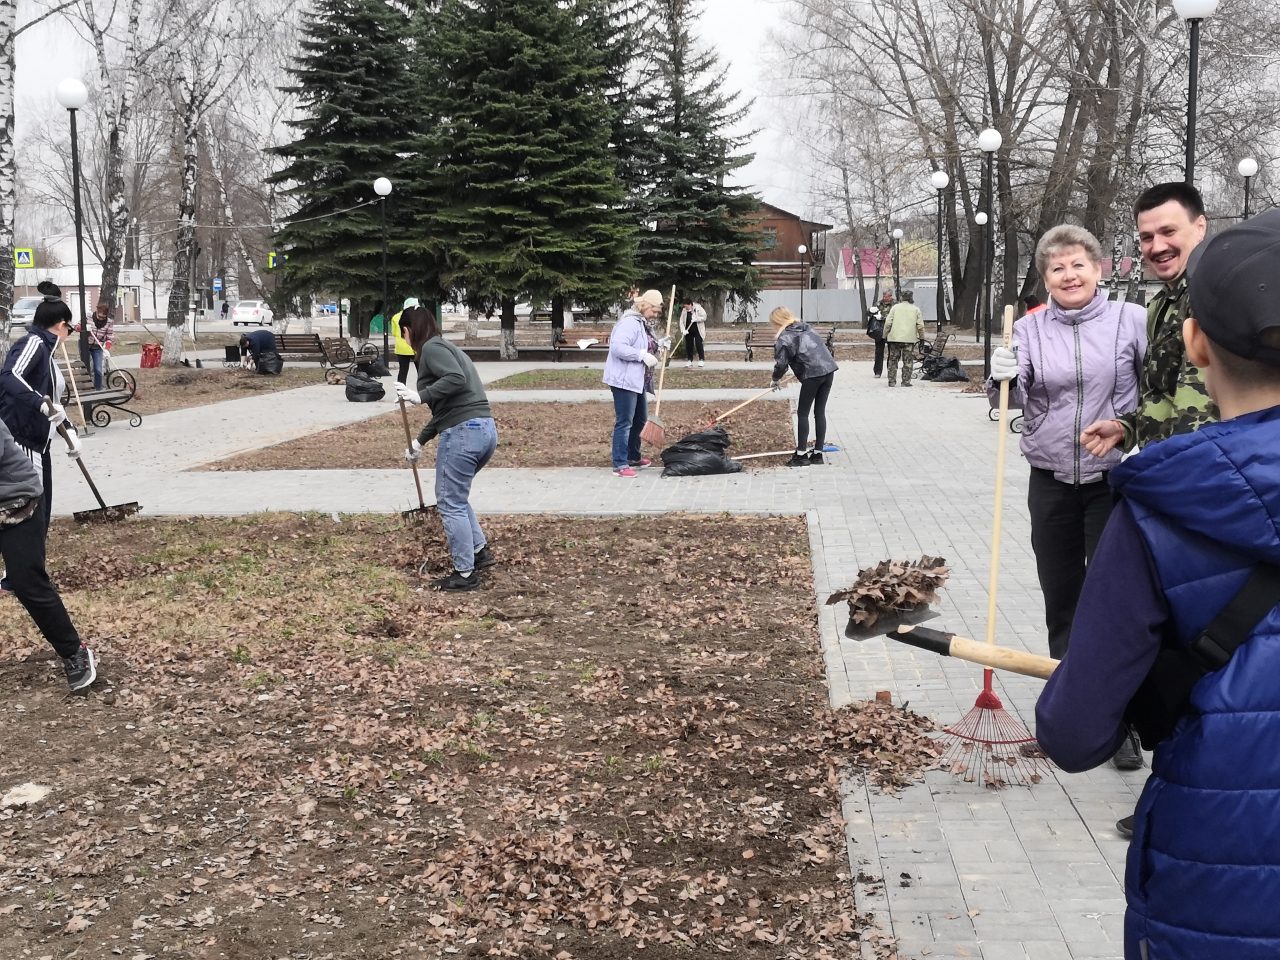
x=1235 y=287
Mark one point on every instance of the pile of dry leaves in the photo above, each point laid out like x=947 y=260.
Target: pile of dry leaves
x=892 y=587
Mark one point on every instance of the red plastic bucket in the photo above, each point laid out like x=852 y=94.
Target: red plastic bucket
x=151 y=354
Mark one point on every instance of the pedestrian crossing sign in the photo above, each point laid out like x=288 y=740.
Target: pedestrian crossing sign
x=24 y=258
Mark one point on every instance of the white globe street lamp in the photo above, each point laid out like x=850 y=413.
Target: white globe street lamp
x=1248 y=168
x=382 y=187
x=940 y=181
x=801 y=251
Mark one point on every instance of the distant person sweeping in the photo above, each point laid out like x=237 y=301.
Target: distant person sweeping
x=449 y=384
x=261 y=346
x=632 y=355
x=797 y=346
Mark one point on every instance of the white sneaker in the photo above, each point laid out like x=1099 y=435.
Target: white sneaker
x=699 y=363
x=689 y=364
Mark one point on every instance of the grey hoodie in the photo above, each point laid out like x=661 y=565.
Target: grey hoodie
x=19 y=479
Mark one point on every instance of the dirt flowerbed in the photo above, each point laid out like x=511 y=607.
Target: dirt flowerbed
x=161 y=389
x=529 y=435
x=679 y=377
x=293 y=750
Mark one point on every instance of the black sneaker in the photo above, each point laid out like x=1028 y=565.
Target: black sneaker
x=815 y=458
x=456 y=581
x=484 y=558
x=81 y=668
x=798 y=460
x=1124 y=827
x=1129 y=754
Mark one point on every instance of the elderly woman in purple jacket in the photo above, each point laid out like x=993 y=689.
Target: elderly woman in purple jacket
x=630 y=354
x=1073 y=363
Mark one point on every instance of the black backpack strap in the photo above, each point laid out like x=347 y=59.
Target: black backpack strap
x=1233 y=624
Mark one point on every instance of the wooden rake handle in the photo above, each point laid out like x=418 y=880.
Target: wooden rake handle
x=662 y=374
x=759 y=396
x=975 y=651
x=408 y=439
x=1006 y=338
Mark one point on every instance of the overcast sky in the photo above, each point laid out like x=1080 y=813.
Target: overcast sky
x=737 y=29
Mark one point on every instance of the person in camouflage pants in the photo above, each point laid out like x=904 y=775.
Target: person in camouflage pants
x=1172 y=398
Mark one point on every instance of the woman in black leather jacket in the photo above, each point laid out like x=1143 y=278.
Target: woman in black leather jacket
x=797 y=346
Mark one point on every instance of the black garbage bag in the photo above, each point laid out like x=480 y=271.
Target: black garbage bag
x=952 y=372
x=377 y=368
x=362 y=388
x=699 y=454
x=270 y=363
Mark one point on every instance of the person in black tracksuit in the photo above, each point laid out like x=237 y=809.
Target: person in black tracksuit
x=28 y=377
x=798 y=346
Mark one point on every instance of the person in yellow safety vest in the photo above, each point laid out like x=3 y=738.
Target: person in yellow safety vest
x=404 y=352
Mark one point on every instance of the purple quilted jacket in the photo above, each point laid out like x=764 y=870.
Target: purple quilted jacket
x=1075 y=367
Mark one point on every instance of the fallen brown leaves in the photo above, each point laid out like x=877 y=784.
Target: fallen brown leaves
x=294 y=750
x=892 y=586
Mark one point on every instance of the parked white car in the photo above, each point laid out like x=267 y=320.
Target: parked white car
x=24 y=309
x=251 y=312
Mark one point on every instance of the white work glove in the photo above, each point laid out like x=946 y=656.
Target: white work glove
x=73 y=444
x=649 y=360
x=414 y=452
x=1004 y=364
x=664 y=343
x=407 y=395
x=53 y=410
x=775 y=384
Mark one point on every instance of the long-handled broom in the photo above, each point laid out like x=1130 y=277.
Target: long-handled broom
x=653 y=433
x=989 y=745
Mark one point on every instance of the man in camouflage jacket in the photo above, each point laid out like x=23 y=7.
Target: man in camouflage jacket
x=1172 y=398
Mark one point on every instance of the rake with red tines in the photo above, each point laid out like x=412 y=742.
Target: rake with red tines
x=989 y=745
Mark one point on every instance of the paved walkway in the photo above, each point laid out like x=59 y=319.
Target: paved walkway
x=969 y=873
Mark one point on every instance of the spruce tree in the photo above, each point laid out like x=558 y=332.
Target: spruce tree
x=701 y=235
x=355 y=91
x=517 y=182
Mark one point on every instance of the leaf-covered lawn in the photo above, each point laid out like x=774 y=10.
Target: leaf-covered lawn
x=620 y=741
x=529 y=435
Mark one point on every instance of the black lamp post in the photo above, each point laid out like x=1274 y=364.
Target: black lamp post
x=940 y=181
x=382 y=187
x=897 y=273
x=1193 y=11
x=1247 y=167
x=801 y=250
x=989 y=141
x=71 y=93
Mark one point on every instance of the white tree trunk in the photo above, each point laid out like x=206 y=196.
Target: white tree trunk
x=8 y=26
x=179 y=290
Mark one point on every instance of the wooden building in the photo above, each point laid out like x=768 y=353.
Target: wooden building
x=781 y=265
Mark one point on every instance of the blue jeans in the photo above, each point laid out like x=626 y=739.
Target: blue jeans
x=95 y=358
x=629 y=417
x=462 y=451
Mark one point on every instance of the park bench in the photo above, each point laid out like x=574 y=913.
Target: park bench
x=117 y=390
x=300 y=346
x=759 y=339
x=846 y=336
x=925 y=349
x=342 y=359
x=566 y=343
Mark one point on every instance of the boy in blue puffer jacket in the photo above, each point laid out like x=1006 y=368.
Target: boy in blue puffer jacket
x=1198 y=513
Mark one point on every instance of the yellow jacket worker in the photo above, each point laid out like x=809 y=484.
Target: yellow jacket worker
x=404 y=352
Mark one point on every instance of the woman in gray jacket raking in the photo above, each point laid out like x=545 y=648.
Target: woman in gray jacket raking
x=460 y=416
x=1073 y=363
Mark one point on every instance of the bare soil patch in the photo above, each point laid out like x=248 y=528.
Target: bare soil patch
x=295 y=751
x=161 y=389
x=679 y=377
x=529 y=435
